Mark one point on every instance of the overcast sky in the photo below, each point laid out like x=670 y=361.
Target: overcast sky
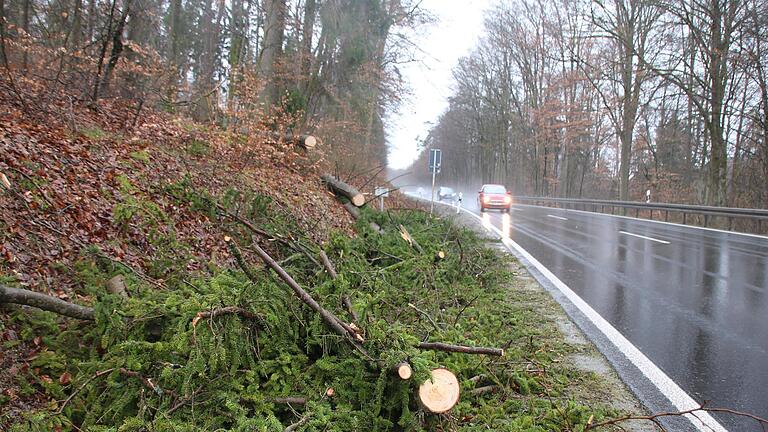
x=459 y=24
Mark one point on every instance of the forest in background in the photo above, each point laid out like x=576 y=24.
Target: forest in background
x=324 y=67
x=610 y=98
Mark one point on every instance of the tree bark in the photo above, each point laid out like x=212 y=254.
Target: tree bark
x=45 y=302
x=352 y=210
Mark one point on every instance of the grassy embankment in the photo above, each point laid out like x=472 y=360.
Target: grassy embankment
x=172 y=370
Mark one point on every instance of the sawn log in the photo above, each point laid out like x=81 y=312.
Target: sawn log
x=340 y=188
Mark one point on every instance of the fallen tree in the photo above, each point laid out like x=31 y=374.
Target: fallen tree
x=305 y=141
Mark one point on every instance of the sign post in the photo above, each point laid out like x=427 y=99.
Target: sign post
x=381 y=193
x=435 y=158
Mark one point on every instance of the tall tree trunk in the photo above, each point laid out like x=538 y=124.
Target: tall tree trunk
x=77 y=25
x=308 y=26
x=3 y=58
x=274 y=29
x=628 y=113
x=117 y=45
x=102 y=54
x=237 y=41
x=209 y=26
x=174 y=49
x=25 y=26
x=91 y=19
x=718 y=75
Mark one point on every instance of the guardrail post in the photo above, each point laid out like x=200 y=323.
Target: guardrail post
x=651 y=210
x=683 y=218
x=706 y=221
x=666 y=215
x=730 y=223
x=637 y=212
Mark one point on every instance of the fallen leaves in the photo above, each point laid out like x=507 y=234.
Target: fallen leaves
x=59 y=189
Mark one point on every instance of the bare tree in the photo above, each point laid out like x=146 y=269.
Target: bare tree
x=627 y=25
x=711 y=27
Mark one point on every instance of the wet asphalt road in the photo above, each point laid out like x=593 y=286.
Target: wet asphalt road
x=693 y=301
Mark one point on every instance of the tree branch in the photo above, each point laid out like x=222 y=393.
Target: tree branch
x=438 y=346
x=45 y=302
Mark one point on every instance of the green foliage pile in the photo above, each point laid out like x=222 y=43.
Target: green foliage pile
x=152 y=362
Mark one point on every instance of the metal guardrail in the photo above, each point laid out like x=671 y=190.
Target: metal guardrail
x=685 y=209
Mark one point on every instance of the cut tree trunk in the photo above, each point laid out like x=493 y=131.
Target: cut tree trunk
x=352 y=210
x=45 y=302
x=356 y=215
x=440 y=393
x=307 y=142
x=403 y=370
x=116 y=286
x=341 y=188
x=485 y=389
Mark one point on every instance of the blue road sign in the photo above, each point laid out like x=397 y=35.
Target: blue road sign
x=435 y=158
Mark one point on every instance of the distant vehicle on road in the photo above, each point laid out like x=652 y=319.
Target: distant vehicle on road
x=446 y=194
x=493 y=196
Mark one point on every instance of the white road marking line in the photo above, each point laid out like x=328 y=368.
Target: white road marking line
x=703 y=421
x=557 y=217
x=760 y=236
x=644 y=237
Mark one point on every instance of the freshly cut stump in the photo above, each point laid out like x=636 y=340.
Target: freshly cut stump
x=441 y=393
x=404 y=371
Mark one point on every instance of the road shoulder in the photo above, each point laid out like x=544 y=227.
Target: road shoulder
x=598 y=382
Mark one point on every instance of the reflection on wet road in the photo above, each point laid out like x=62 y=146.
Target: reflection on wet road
x=693 y=301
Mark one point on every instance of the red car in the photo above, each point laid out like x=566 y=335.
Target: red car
x=492 y=196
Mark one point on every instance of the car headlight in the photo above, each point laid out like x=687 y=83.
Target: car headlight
x=486 y=199
x=507 y=199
